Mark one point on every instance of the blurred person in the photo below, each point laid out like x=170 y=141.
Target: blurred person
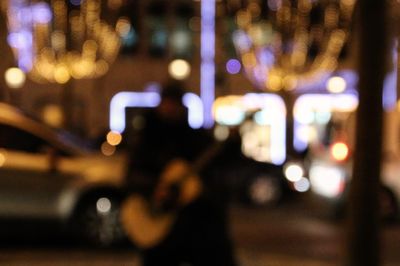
x=167 y=158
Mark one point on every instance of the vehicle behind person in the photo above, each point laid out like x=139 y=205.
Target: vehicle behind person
x=51 y=185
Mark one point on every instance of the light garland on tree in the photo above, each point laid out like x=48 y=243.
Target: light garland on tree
x=54 y=42
x=288 y=45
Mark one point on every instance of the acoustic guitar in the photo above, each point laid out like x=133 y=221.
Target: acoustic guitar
x=148 y=221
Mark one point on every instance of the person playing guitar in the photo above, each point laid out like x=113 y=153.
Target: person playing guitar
x=169 y=215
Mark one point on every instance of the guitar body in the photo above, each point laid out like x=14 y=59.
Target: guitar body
x=146 y=222
x=142 y=226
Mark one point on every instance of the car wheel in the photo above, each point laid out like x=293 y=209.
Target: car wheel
x=264 y=190
x=98 y=221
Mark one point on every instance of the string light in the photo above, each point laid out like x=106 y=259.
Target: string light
x=290 y=44
x=54 y=43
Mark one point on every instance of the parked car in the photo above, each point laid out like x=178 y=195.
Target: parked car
x=49 y=180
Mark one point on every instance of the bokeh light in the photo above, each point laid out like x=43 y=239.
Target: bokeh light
x=340 y=151
x=336 y=85
x=302 y=185
x=221 y=132
x=103 y=205
x=2 y=158
x=61 y=74
x=15 y=78
x=294 y=172
x=114 y=138
x=123 y=26
x=41 y=13
x=107 y=149
x=233 y=66
x=179 y=69
x=52 y=115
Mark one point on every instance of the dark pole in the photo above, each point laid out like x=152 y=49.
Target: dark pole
x=363 y=225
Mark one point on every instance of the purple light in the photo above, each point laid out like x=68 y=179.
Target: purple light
x=123 y=99
x=389 y=87
x=242 y=40
x=274 y=5
x=75 y=2
x=20 y=23
x=24 y=15
x=25 y=62
x=259 y=74
x=266 y=57
x=207 y=52
x=18 y=40
x=152 y=87
x=233 y=66
x=41 y=13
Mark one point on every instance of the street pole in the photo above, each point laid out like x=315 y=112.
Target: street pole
x=363 y=231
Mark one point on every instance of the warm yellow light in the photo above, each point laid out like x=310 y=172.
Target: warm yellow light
x=289 y=82
x=53 y=115
x=123 y=27
x=274 y=83
x=94 y=43
x=2 y=159
x=255 y=9
x=15 y=78
x=101 y=67
x=221 y=133
x=114 y=138
x=339 y=151
x=249 y=60
x=243 y=18
x=336 y=85
x=179 y=69
x=61 y=74
x=107 y=149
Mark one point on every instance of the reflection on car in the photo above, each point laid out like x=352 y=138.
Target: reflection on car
x=49 y=178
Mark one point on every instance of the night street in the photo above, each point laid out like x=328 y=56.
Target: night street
x=287 y=235
x=173 y=100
